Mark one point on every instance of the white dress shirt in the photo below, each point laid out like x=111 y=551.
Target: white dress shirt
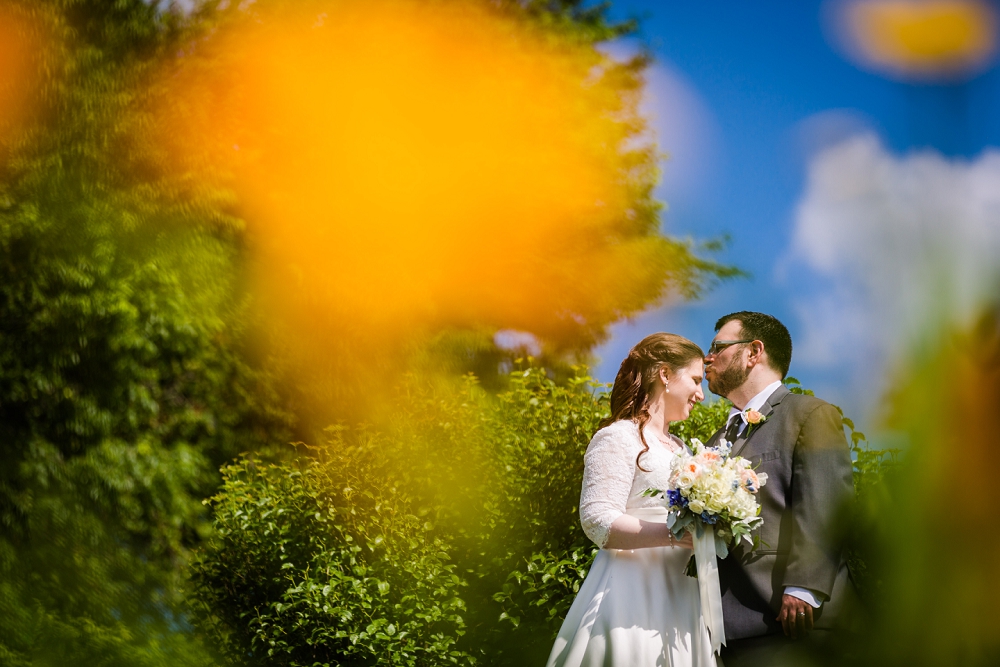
x=756 y=403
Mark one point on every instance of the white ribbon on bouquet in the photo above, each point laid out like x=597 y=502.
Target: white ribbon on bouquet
x=708 y=584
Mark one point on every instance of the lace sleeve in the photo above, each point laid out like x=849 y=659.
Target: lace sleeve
x=609 y=467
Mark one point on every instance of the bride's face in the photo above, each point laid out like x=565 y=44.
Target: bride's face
x=684 y=390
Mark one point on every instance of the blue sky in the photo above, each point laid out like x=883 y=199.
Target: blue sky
x=748 y=97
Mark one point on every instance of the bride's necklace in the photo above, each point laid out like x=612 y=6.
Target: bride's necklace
x=667 y=442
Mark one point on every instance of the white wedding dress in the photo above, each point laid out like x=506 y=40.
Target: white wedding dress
x=636 y=608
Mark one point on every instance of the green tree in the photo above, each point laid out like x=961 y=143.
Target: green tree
x=124 y=379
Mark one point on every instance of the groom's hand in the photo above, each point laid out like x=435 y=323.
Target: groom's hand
x=795 y=625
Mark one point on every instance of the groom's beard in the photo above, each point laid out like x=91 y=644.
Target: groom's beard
x=728 y=380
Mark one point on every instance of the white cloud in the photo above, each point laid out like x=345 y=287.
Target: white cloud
x=895 y=247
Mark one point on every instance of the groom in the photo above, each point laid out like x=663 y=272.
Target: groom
x=796 y=580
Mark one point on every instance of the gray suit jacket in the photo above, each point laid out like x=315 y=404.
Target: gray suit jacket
x=802 y=448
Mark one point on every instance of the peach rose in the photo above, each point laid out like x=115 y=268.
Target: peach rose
x=707 y=458
x=754 y=417
x=692 y=467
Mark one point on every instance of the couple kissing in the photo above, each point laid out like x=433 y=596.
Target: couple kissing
x=637 y=607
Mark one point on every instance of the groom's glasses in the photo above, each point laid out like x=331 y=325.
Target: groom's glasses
x=719 y=345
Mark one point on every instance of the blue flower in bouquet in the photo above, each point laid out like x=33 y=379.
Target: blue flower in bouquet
x=724 y=448
x=676 y=499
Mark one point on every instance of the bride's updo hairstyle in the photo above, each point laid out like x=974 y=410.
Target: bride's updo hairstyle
x=639 y=374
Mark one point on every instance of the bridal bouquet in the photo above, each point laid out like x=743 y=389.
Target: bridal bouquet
x=712 y=493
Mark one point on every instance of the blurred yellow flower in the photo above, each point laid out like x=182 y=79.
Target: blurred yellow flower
x=921 y=38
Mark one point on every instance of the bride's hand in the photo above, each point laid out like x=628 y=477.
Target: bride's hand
x=686 y=542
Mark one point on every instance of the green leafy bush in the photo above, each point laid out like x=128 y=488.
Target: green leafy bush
x=322 y=564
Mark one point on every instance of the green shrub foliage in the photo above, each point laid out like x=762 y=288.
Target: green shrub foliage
x=324 y=564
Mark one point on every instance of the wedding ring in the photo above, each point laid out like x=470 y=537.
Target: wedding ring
x=801 y=613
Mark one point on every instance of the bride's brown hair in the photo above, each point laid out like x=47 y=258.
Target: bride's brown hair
x=639 y=374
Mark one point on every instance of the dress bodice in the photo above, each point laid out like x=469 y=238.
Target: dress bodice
x=612 y=482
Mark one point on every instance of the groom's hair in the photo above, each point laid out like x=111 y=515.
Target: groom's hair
x=768 y=330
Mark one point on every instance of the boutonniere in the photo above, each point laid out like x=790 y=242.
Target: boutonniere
x=754 y=419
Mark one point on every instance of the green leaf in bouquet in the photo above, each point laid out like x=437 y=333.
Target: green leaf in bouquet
x=691 y=569
x=721 y=549
x=681 y=522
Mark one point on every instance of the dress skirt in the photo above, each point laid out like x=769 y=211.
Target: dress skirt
x=636 y=609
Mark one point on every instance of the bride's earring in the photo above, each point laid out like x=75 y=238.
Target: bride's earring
x=666 y=385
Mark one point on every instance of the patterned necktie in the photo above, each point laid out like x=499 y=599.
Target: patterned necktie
x=732 y=431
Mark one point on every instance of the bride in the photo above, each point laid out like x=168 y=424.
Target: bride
x=636 y=607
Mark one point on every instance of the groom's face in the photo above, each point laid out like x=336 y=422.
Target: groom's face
x=726 y=370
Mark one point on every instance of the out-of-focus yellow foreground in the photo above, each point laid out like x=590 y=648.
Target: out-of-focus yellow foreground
x=403 y=163
x=18 y=76
x=921 y=38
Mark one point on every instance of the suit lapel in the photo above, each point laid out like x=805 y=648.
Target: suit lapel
x=766 y=410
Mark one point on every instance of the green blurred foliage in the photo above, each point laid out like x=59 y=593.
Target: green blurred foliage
x=124 y=380
x=934 y=552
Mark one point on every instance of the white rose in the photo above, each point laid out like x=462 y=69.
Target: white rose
x=686 y=479
x=697 y=506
